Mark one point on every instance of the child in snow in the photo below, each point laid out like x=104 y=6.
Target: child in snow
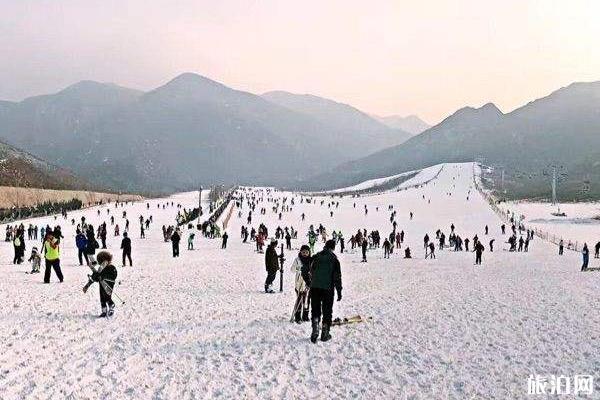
x=105 y=275
x=35 y=260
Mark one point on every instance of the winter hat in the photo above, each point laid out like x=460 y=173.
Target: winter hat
x=274 y=242
x=304 y=247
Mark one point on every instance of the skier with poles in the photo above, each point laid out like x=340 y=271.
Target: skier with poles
x=325 y=277
x=105 y=275
x=301 y=267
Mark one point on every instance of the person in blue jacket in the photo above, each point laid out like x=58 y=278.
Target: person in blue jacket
x=81 y=243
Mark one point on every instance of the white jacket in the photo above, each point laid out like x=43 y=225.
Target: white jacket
x=300 y=285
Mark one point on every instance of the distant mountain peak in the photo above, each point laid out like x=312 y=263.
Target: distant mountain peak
x=192 y=85
x=193 y=79
x=411 y=123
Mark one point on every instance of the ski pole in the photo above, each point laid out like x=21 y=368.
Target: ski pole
x=111 y=292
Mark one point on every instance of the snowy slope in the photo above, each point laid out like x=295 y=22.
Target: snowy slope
x=580 y=225
x=200 y=327
x=370 y=183
x=422 y=176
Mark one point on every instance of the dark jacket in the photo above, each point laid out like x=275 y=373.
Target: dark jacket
x=325 y=271
x=108 y=273
x=126 y=245
x=92 y=243
x=175 y=238
x=271 y=259
x=81 y=241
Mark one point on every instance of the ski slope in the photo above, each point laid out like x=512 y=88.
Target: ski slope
x=200 y=326
x=582 y=223
x=421 y=177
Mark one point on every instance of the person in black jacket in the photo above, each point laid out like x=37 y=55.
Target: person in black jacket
x=325 y=277
x=91 y=245
x=175 y=238
x=126 y=247
x=105 y=275
x=271 y=265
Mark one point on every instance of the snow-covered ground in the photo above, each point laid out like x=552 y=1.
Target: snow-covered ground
x=422 y=176
x=580 y=224
x=200 y=326
x=370 y=183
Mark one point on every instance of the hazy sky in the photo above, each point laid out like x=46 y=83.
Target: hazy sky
x=385 y=57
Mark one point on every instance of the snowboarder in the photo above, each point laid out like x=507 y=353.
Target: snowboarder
x=326 y=276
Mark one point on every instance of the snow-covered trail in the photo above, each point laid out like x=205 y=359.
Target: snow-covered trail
x=200 y=326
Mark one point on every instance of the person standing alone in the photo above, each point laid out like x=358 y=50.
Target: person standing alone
x=52 y=257
x=126 y=247
x=325 y=278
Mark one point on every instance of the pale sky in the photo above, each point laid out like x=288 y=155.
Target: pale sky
x=384 y=57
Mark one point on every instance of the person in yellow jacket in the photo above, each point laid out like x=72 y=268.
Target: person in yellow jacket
x=51 y=251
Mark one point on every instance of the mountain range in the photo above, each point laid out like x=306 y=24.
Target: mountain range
x=561 y=130
x=411 y=124
x=188 y=132
x=194 y=131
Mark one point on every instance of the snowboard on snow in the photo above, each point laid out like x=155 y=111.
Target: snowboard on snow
x=350 y=320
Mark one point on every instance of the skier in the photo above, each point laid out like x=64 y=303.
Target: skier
x=326 y=275
x=597 y=250
x=105 y=275
x=586 y=257
x=126 y=247
x=35 y=260
x=301 y=267
x=431 y=253
x=492 y=245
x=271 y=264
x=52 y=255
